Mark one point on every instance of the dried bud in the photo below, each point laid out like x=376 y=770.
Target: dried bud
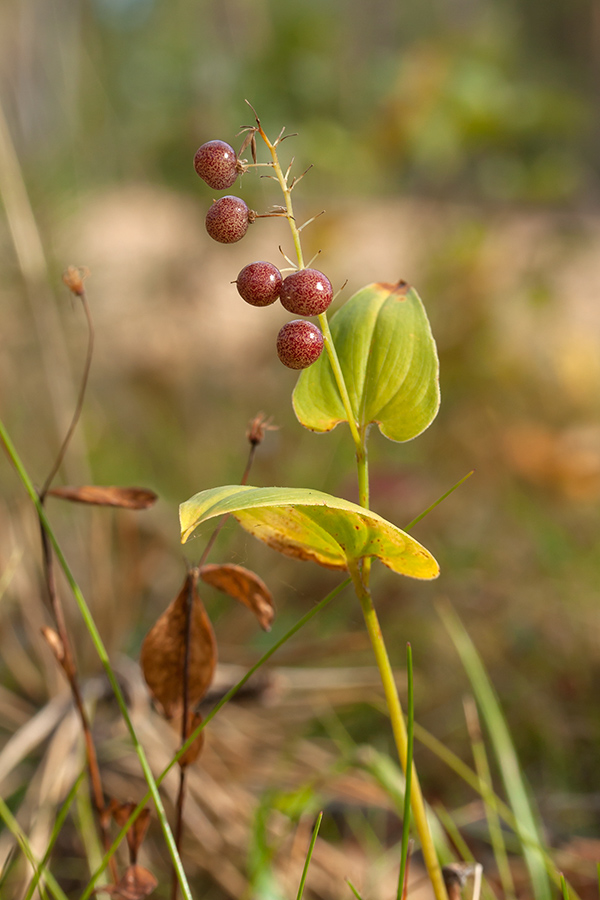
x=54 y=642
x=74 y=277
x=257 y=428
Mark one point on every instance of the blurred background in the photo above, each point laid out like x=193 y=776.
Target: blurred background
x=454 y=144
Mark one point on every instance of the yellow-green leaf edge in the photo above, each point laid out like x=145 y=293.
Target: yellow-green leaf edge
x=312 y=525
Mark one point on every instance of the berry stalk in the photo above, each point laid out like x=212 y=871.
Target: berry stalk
x=323 y=322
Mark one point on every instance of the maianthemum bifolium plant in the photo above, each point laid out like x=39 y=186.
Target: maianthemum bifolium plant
x=374 y=363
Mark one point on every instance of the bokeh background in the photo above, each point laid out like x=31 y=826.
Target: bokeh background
x=454 y=144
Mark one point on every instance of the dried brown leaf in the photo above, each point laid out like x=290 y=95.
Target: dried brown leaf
x=126 y=498
x=163 y=652
x=135 y=835
x=245 y=586
x=194 y=750
x=135 y=884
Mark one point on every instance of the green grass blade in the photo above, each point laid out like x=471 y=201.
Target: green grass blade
x=388 y=774
x=410 y=732
x=437 y=502
x=353 y=889
x=313 y=841
x=14 y=827
x=103 y=656
x=491 y=807
x=208 y=718
x=514 y=784
x=463 y=771
x=58 y=824
x=461 y=846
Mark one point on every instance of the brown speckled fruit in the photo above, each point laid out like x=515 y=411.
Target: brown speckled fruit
x=299 y=344
x=216 y=163
x=259 y=283
x=227 y=220
x=306 y=292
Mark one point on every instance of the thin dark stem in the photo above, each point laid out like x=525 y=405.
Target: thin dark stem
x=223 y=519
x=184 y=722
x=70 y=670
x=68 y=660
x=80 y=399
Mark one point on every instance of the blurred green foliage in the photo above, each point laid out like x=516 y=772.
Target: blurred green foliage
x=476 y=99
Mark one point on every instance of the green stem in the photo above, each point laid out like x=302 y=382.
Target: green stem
x=399 y=731
x=104 y=659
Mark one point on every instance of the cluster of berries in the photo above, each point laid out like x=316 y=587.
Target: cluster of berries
x=306 y=292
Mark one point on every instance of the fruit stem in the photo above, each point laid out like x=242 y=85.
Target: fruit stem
x=282 y=179
x=329 y=345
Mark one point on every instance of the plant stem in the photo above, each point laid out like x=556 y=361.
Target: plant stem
x=68 y=659
x=361 y=583
x=361 y=578
x=399 y=731
x=103 y=656
x=80 y=398
x=184 y=722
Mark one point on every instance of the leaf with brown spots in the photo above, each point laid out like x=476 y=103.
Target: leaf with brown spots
x=126 y=498
x=311 y=525
x=245 y=586
x=163 y=652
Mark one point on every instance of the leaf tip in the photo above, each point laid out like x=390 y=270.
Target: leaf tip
x=401 y=288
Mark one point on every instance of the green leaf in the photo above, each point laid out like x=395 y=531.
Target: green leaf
x=389 y=361
x=308 y=524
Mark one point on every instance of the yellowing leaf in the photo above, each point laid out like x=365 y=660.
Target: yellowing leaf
x=309 y=524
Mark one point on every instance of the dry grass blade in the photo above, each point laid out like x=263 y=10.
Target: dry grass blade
x=245 y=586
x=125 y=498
x=163 y=652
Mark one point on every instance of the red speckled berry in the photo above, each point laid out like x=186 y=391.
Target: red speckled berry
x=306 y=292
x=259 y=283
x=299 y=344
x=217 y=164
x=227 y=220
